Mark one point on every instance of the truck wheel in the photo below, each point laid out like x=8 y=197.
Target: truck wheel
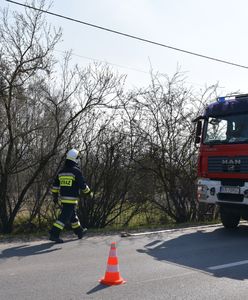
x=229 y=219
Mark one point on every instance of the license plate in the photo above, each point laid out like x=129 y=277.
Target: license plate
x=230 y=189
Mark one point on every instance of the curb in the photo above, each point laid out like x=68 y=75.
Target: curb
x=128 y=234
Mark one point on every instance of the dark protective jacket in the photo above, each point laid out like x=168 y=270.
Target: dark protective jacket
x=69 y=182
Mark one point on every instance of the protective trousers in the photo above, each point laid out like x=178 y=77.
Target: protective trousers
x=68 y=215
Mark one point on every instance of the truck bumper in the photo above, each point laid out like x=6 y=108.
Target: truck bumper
x=212 y=191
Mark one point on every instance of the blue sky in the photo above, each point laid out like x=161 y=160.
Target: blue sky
x=216 y=28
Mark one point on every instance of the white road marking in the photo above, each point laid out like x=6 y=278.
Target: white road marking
x=234 y=264
x=156 y=245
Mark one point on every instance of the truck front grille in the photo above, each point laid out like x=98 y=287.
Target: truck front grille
x=219 y=164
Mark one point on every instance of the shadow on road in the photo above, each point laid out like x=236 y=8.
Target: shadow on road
x=26 y=250
x=97 y=288
x=205 y=251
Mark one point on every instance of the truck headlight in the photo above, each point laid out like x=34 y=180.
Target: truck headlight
x=202 y=192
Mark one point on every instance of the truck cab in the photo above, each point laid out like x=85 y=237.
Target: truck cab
x=222 y=136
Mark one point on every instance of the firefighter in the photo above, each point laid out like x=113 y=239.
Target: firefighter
x=66 y=189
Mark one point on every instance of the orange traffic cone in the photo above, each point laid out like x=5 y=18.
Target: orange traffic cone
x=112 y=274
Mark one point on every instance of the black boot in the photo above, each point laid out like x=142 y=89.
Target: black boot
x=57 y=240
x=54 y=236
x=80 y=232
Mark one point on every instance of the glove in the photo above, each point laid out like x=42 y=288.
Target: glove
x=87 y=192
x=55 y=198
x=90 y=194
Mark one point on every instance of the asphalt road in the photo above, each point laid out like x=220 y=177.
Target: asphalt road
x=196 y=263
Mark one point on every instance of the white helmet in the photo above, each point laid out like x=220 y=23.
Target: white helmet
x=73 y=155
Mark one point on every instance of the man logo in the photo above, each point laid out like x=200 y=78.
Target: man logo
x=231 y=165
x=233 y=162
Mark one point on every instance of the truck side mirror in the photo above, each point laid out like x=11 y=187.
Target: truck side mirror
x=197 y=139
x=198 y=128
x=198 y=132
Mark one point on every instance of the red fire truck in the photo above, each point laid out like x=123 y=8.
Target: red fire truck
x=222 y=136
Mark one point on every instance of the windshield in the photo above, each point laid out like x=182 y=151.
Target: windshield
x=226 y=130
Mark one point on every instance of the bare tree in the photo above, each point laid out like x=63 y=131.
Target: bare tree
x=26 y=45
x=105 y=163
x=165 y=144
x=41 y=110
